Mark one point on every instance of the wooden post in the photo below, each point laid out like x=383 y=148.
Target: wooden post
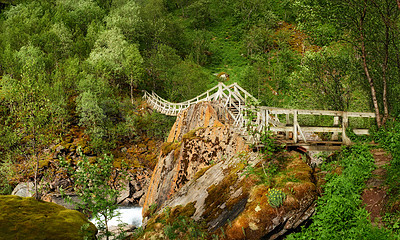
x=335 y=135
x=263 y=118
x=295 y=126
x=287 y=124
x=345 y=124
x=287 y=119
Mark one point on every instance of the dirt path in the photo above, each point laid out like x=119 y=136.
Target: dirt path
x=374 y=196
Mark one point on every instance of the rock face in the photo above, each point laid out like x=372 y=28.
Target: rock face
x=27 y=218
x=207 y=170
x=199 y=138
x=132 y=191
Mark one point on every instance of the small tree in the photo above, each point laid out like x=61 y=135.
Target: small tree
x=94 y=186
x=133 y=66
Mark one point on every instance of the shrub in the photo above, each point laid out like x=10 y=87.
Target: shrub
x=95 y=188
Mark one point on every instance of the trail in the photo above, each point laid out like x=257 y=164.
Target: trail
x=375 y=194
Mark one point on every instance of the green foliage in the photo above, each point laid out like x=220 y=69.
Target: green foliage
x=275 y=197
x=125 y=16
x=340 y=214
x=389 y=138
x=330 y=78
x=368 y=28
x=93 y=184
x=138 y=233
x=392 y=222
x=108 y=54
x=265 y=173
x=183 y=228
x=6 y=173
x=153 y=125
x=78 y=13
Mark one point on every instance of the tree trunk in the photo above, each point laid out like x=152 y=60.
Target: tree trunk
x=37 y=162
x=132 y=90
x=106 y=225
x=384 y=76
x=365 y=67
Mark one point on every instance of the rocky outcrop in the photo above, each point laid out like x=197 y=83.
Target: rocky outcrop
x=140 y=156
x=200 y=137
x=133 y=191
x=207 y=172
x=27 y=218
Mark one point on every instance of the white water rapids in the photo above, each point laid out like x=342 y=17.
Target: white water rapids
x=130 y=216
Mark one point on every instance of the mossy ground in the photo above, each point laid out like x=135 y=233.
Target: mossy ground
x=27 y=218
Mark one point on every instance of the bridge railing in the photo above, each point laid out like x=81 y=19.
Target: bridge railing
x=232 y=94
x=236 y=99
x=339 y=125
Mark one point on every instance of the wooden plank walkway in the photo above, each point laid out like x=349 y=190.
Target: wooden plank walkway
x=235 y=99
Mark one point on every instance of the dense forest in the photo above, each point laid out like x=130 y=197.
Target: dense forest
x=66 y=63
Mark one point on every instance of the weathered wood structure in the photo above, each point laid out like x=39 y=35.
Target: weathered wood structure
x=248 y=118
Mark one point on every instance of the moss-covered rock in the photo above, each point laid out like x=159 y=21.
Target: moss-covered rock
x=27 y=218
x=225 y=184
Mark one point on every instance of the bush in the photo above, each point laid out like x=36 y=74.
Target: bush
x=94 y=185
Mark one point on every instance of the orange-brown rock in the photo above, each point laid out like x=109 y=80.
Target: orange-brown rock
x=208 y=169
x=200 y=137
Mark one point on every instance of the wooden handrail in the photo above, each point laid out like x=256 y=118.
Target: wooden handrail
x=235 y=99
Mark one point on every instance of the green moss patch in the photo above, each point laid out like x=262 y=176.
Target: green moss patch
x=27 y=218
x=167 y=147
x=191 y=134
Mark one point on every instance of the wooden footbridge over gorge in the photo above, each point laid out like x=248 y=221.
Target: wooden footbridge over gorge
x=286 y=124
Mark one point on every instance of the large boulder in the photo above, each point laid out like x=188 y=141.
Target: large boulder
x=27 y=218
x=206 y=172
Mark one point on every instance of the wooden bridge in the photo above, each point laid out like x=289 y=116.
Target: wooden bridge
x=284 y=123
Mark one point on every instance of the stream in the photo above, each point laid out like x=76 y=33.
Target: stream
x=129 y=215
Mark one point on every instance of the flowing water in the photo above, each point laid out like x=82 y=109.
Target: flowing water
x=128 y=215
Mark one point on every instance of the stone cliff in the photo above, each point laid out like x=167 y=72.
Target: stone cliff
x=207 y=173
x=200 y=137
